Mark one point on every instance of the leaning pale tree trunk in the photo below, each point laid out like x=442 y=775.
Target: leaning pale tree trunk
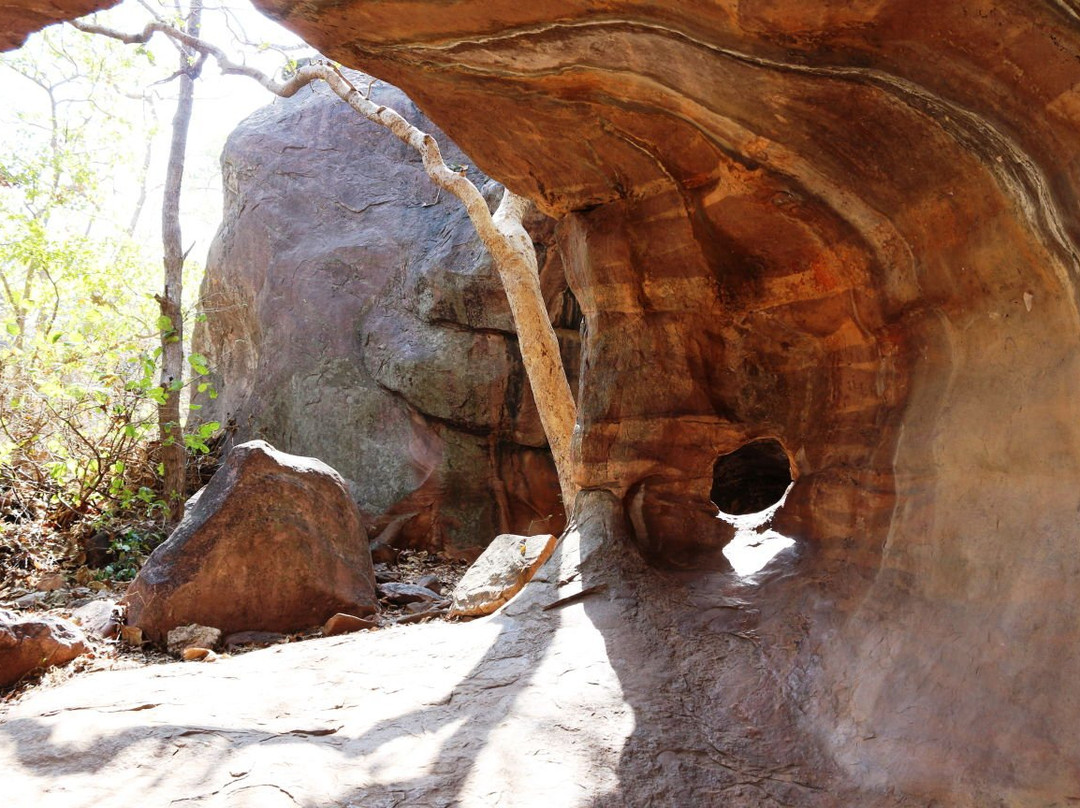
x=503 y=234
x=173 y=452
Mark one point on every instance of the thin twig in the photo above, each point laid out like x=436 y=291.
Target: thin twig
x=584 y=593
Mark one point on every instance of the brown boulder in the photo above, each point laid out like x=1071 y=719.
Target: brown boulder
x=41 y=641
x=273 y=543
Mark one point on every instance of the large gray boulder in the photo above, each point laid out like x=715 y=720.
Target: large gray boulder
x=353 y=315
x=273 y=543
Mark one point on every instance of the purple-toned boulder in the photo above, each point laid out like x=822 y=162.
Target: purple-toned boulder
x=353 y=315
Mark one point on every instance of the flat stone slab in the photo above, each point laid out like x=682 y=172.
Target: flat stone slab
x=499 y=573
x=435 y=715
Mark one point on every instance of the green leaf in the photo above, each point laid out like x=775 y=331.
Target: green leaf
x=199 y=363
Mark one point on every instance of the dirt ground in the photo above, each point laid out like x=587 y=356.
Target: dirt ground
x=43 y=570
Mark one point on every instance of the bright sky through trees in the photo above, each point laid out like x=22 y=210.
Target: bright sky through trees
x=221 y=103
x=79 y=270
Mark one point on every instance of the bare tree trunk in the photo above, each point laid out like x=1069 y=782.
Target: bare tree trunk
x=144 y=176
x=173 y=452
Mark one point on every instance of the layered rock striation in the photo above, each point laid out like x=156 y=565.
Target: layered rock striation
x=353 y=315
x=850 y=228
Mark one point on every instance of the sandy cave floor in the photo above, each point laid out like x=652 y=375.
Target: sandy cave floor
x=520 y=708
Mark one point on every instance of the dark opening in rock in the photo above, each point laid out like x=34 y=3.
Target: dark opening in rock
x=752 y=478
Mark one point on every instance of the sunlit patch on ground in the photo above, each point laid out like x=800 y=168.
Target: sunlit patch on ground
x=754 y=546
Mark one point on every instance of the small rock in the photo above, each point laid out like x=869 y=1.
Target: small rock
x=98 y=549
x=41 y=641
x=192 y=636
x=98 y=618
x=257 y=639
x=502 y=570
x=385 y=576
x=382 y=553
x=31 y=600
x=344 y=623
x=431 y=582
x=419 y=617
x=400 y=594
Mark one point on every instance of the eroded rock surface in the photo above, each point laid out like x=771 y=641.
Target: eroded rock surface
x=352 y=315
x=20 y=19
x=273 y=543
x=852 y=228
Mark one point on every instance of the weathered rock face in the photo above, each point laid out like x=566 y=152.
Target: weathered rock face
x=273 y=543
x=852 y=228
x=20 y=19
x=30 y=642
x=354 y=316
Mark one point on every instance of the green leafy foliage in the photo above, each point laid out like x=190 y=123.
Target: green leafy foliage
x=79 y=326
x=130 y=550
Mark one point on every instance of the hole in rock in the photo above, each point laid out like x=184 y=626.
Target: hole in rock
x=749 y=487
x=751 y=479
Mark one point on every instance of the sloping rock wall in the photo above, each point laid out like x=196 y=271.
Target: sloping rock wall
x=852 y=228
x=352 y=315
x=20 y=19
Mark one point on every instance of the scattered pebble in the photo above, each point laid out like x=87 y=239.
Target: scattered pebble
x=345 y=623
